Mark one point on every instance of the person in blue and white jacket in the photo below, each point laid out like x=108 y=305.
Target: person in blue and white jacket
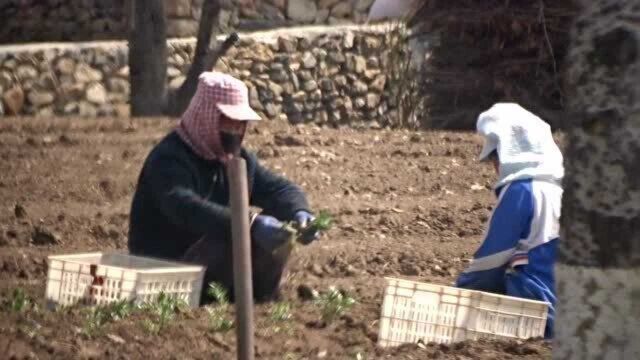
x=518 y=254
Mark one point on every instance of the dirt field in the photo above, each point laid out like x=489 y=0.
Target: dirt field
x=405 y=204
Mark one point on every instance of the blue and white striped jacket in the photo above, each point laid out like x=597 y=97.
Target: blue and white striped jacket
x=518 y=253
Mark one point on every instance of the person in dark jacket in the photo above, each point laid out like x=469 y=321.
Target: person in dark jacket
x=180 y=209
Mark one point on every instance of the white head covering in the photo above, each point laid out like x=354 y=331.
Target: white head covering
x=524 y=144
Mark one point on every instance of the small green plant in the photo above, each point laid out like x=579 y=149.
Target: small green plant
x=218 y=319
x=163 y=310
x=99 y=316
x=278 y=320
x=280 y=312
x=322 y=222
x=19 y=301
x=334 y=304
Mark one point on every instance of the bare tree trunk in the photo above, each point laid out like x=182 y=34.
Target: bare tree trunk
x=148 y=58
x=598 y=274
x=204 y=58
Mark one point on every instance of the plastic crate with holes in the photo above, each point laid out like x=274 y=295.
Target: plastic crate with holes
x=414 y=312
x=102 y=278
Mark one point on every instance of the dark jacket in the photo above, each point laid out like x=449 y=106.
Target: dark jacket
x=181 y=197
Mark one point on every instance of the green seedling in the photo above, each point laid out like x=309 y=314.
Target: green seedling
x=280 y=312
x=163 y=310
x=322 y=222
x=218 y=319
x=334 y=304
x=19 y=302
x=99 y=316
x=279 y=318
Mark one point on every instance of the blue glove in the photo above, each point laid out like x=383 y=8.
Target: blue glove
x=268 y=232
x=303 y=218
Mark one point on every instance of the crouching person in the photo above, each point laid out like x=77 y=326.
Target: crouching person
x=518 y=254
x=180 y=209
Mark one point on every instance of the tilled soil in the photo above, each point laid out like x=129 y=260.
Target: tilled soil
x=405 y=204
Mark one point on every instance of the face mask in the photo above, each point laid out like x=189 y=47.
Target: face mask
x=231 y=142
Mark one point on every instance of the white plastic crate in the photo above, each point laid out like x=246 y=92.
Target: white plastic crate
x=414 y=311
x=101 y=278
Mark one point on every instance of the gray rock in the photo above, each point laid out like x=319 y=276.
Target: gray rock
x=299 y=96
x=66 y=66
x=379 y=83
x=178 y=8
x=270 y=12
x=326 y=84
x=295 y=82
x=304 y=44
x=87 y=109
x=286 y=45
x=337 y=57
x=340 y=81
x=327 y=4
x=96 y=94
x=347 y=41
x=271 y=110
x=305 y=75
x=371 y=74
x=276 y=66
x=259 y=68
x=319 y=53
x=26 y=72
x=302 y=10
x=373 y=62
x=1 y=109
x=173 y=72
x=10 y=64
x=177 y=82
x=372 y=43
x=309 y=61
x=241 y=64
x=123 y=72
x=372 y=100
x=360 y=88
x=363 y=5
x=118 y=85
x=360 y=64
x=275 y=88
x=182 y=27
x=279 y=76
x=6 y=79
x=254 y=99
x=322 y=16
x=40 y=97
x=45 y=111
x=341 y=10
x=316 y=95
x=14 y=100
x=322 y=117
x=85 y=74
x=360 y=103
x=348 y=104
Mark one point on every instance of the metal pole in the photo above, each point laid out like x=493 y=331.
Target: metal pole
x=242 y=275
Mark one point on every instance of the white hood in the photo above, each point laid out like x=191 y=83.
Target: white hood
x=524 y=143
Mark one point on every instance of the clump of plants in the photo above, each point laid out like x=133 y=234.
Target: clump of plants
x=219 y=320
x=99 y=316
x=279 y=318
x=19 y=301
x=321 y=223
x=163 y=310
x=333 y=304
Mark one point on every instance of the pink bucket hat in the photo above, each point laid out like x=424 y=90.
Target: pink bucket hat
x=217 y=94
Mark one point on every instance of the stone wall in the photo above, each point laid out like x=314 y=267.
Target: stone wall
x=88 y=20
x=322 y=75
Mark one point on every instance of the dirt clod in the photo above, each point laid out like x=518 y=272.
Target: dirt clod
x=42 y=236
